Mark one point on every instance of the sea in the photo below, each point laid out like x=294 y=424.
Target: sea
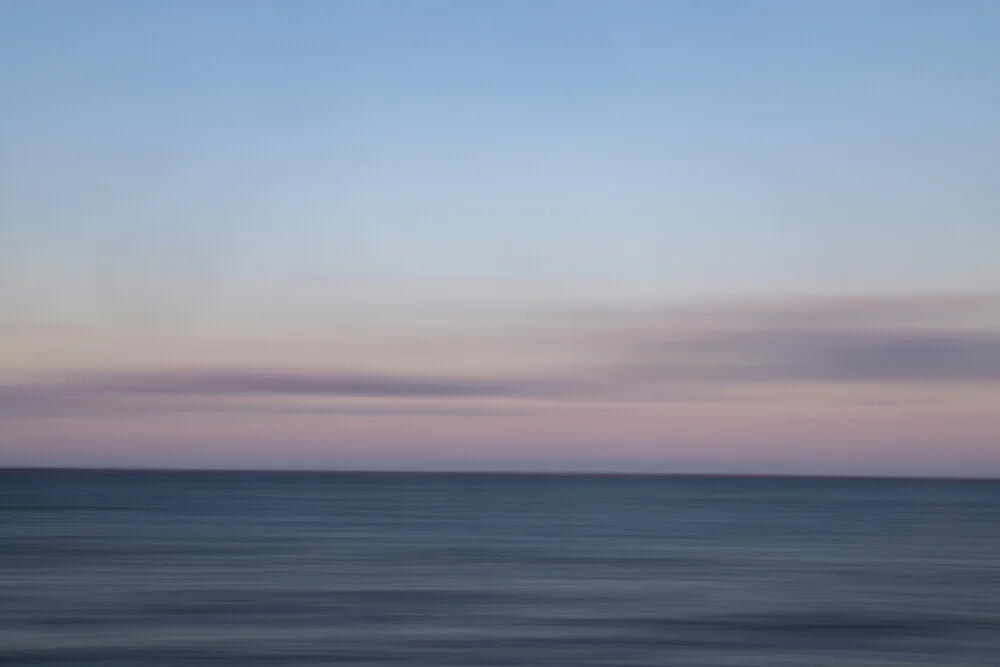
x=246 y=569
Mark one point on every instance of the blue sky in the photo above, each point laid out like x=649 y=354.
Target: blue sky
x=274 y=166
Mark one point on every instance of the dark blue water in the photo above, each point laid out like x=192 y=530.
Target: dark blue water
x=115 y=569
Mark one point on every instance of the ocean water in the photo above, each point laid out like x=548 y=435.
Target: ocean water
x=116 y=569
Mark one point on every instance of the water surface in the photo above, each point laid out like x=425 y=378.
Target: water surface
x=123 y=569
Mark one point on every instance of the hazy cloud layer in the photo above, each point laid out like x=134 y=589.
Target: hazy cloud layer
x=779 y=355
x=666 y=354
x=110 y=390
x=936 y=338
x=318 y=384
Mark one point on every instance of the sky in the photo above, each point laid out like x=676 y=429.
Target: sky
x=754 y=236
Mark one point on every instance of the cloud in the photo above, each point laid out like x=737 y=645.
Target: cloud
x=111 y=391
x=681 y=353
x=406 y=411
x=846 y=340
x=40 y=400
x=779 y=355
x=317 y=384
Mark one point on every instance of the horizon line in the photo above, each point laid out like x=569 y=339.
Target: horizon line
x=489 y=473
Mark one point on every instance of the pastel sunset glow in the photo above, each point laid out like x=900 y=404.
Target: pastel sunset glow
x=638 y=236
